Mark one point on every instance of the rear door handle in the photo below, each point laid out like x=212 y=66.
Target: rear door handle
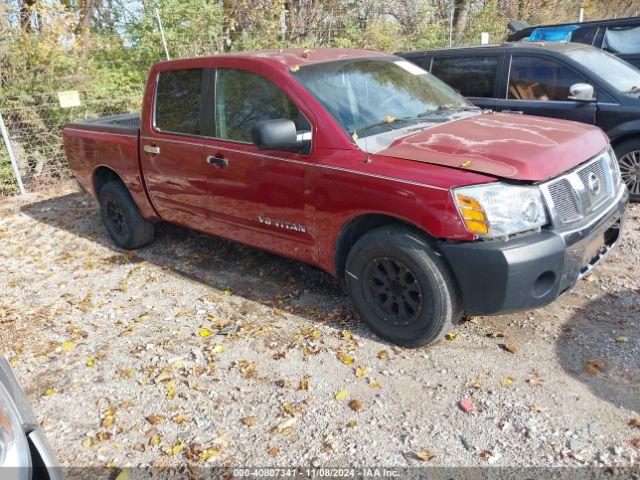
x=513 y=111
x=151 y=149
x=218 y=161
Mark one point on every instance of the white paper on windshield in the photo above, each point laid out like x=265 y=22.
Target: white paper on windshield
x=410 y=67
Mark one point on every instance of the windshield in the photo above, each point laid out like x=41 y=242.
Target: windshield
x=619 y=74
x=370 y=96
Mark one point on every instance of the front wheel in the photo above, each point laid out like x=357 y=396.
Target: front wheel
x=628 y=153
x=401 y=288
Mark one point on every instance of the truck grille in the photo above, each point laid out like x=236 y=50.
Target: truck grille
x=580 y=194
x=563 y=200
x=597 y=169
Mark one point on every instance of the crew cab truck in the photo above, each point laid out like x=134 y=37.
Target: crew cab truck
x=367 y=166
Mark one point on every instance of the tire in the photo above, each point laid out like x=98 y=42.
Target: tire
x=628 y=153
x=401 y=288
x=122 y=218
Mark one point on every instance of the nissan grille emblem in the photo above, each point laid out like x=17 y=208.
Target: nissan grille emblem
x=593 y=183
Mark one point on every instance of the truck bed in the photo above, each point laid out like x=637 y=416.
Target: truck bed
x=129 y=123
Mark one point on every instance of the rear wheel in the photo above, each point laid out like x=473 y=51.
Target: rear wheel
x=122 y=218
x=401 y=288
x=628 y=153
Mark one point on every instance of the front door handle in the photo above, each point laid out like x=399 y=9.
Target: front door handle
x=152 y=149
x=218 y=161
x=513 y=111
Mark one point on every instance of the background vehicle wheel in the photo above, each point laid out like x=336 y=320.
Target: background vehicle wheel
x=401 y=288
x=122 y=218
x=628 y=153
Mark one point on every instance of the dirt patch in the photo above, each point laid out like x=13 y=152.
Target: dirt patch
x=197 y=350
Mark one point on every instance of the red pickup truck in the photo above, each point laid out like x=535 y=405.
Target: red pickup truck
x=368 y=167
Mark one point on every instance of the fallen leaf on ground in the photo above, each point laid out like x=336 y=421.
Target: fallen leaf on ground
x=155 y=419
x=205 y=332
x=346 y=335
x=383 y=354
x=124 y=475
x=360 y=371
x=425 y=455
x=507 y=381
x=67 y=346
x=356 y=405
x=634 y=422
x=345 y=358
x=49 y=391
x=594 y=366
x=374 y=384
x=249 y=421
x=341 y=394
x=509 y=347
x=304 y=384
x=171 y=451
x=181 y=313
x=451 y=336
x=496 y=335
x=210 y=453
x=285 y=424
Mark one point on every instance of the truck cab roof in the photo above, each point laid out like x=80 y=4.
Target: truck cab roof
x=285 y=58
x=560 y=47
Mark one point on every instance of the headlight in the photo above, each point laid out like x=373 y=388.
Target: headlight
x=498 y=210
x=14 y=449
x=614 y=168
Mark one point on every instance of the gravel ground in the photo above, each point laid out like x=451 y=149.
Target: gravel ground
x=199 y=351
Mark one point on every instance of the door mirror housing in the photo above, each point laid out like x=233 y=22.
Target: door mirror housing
x=278 y=134
x=581 y=92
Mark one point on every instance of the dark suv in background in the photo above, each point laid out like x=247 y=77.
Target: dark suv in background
x=561 y=80
x=620 y=36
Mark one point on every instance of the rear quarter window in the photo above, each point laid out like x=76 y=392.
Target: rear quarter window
x=178 y=101
x=622 y=40
x=423 y=62
x=471 y=76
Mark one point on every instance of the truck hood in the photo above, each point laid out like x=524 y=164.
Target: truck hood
x=513 y=146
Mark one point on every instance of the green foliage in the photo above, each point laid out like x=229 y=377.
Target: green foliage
x=108 y=61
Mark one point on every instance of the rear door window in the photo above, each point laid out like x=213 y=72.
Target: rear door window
x=584 y=35
x=622 y=40
x=471 y=76
x=178 y=102
x=536 y=78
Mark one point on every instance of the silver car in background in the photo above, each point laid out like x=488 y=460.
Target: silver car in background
x=24 y=451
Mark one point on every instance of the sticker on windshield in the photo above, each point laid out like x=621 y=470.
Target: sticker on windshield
x=410 y=67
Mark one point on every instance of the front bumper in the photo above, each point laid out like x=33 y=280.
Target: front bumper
x=533 y=270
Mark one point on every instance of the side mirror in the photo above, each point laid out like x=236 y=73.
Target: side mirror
x=278 y=134
x=581 y=92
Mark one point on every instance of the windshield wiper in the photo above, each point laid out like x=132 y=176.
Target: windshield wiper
x=447 y=108
x=383 y=123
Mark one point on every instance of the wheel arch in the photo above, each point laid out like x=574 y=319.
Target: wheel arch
x=355 y=228
x=103 y=175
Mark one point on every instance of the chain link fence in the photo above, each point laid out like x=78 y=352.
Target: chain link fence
x=35 y=128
